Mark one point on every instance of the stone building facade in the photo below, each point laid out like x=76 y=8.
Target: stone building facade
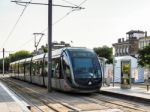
x=144 y=42
x=130 y=45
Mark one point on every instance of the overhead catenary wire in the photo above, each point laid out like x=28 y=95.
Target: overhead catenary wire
x=82 y=3
x=60 y=19
x=65 y=6
x=15 y=25
x=28 y=41
x=70 y=3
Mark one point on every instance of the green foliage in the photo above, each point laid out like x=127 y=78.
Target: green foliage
x=144 y=56
x=19 y=55
x=105 y=52
x=6 y=60
x=45 y=50
x=14 y=57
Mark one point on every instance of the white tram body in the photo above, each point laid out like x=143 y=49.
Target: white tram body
x=73 y=70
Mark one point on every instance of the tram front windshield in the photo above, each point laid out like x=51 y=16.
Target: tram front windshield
x=85 y=64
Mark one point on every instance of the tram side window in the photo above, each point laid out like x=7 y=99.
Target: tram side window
x=38 y=68
x=53 y=68
x=10 y=69
x=66 y=69
x=40 y=65
x=56 y=68
x=45 y=68
x=34 y=66
x=13 y=68
x=21 y=68
x=16 y=68
x=27 y=68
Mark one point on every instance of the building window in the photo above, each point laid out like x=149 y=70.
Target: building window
x=118 y=51
x=147 y=43
x=139 y=44
x=143 y=44
x=124 y=50
x=121 y=51
x=127 y=50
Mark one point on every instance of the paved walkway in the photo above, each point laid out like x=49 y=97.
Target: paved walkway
x=137 y=92
x=9 y=102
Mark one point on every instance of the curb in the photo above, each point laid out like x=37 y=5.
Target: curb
x=126 y=97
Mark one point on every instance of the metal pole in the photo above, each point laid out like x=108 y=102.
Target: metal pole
x=49 y=45
x=35 y=44
x=35 y=40
x=3 y=62
x=113 y=70
x=103 y=72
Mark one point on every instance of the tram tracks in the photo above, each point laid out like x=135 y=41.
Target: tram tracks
x=111 y=103
x=38 y=102
x=97 y=98
x=64 y=102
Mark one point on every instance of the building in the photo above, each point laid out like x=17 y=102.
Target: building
x=144 y=41
x=136 y=34
x=130 y=45
x=127 y=50
x=62 y=44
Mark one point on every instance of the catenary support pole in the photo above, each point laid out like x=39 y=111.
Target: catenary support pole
x=3 y=61
x=49 y=45
x=36 y=44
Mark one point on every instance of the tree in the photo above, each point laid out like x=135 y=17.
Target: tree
x=6 y=60
x=45 y=49
x=144 y=57
x=19 y=55
x=14 y=57
x=105 y=52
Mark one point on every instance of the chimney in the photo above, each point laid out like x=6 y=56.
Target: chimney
x=145 y=33
x=119 y=40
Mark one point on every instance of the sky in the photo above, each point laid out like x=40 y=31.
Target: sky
x=101 y=23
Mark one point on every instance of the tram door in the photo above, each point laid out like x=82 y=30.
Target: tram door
x=56 y=73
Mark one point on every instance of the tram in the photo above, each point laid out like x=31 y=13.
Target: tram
x=73 y=70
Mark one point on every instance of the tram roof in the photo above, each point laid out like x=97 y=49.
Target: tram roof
x=12 y=63
x=38 y=57
x=58 y=52
x=78 y=48
x=15 y=62
x=23 y=60
x=28 y=59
